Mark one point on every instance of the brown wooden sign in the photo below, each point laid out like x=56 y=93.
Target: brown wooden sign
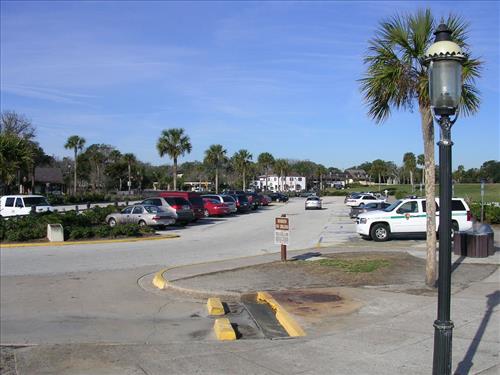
x=281 y=223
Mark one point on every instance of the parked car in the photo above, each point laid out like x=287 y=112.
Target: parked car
x=15 y=205
x=223 y=198
x=407 y=217
x=306 y=194
x=179 y=207
x=355 y=211
x=242 y=203
x=351 y=195
x=363 y=199
x=141 y=214
x=191 y=196
x=253 y=200
x=265 y=200
x=313 y=202
x=278 y=197
x=214 y=207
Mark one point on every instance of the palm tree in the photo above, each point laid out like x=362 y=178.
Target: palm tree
x=397 y=78
x=265 y=160
x=174 y=143
x=96 y=155
x=241 y=160
x=409 y=164
x=16 y=153
x=322 y=171
x=76 y=143
x=215 y=156
x=421 y=163
x=130 y=159
x=282 y=166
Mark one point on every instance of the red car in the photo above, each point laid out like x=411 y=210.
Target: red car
x=215 y=208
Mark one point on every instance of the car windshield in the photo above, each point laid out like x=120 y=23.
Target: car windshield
x=392 y=206
x=35 y=201
x=153 y=209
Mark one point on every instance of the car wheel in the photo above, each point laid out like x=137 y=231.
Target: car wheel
x=361 y=205
x=142 y=223
x=112 y=222
x=206 y=213
x=380 y=232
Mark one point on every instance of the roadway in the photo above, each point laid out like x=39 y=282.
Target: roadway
x=208 y=240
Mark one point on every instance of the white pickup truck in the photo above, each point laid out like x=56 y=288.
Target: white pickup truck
x=407 y=217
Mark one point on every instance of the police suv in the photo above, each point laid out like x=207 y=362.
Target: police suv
x=407 y=217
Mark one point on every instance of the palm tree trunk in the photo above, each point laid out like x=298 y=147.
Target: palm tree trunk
x=175 y=173
x=129 y=177
x=430 y=194
x=74 y=186
x=216 y=180
x=244 y=180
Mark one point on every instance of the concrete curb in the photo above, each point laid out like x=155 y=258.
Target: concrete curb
x=69 y=243
x=284 y=318
x=162 y=283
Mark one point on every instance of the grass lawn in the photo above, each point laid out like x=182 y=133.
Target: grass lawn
x=469 y=191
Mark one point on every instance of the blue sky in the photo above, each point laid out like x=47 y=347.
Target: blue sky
x=279 y=77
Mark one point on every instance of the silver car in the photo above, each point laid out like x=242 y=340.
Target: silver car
x=142 y=215
x=313 y=202
x=222 y=198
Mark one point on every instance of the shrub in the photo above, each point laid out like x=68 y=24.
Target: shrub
x=491 y=212
x=76 y=233
x=401 y=194
x=86 y=224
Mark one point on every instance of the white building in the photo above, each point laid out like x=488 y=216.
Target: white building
x=277 y=183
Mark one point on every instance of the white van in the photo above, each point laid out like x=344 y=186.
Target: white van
x=15 y=205
x=407 y=217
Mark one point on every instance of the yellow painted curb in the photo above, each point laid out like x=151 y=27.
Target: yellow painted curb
x=67 y=243
x=159 y=281
x=224 y=330
x=285 y=319
x=214 y=306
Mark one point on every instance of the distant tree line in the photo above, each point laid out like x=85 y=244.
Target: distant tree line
x=103 y=168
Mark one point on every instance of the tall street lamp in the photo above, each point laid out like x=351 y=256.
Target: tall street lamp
x=444 y=59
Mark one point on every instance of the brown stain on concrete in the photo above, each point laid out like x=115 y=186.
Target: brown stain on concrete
x=313 y=305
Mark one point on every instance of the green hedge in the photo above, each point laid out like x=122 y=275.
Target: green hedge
x=491 y=212
x=86 y=224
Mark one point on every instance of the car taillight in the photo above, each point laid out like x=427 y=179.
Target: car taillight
x=469 y=216
x=156 y=217
x=237 y=203
x=176 y=207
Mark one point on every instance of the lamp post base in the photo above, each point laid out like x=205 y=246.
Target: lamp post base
x=443 y=331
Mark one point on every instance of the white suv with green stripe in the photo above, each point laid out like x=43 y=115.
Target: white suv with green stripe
x=407 y=217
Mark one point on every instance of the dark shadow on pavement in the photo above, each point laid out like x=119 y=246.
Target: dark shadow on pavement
x=306 y=256
x=457 y=263
x=466 y=364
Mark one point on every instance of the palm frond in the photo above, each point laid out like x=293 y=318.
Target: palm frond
x=469 y=100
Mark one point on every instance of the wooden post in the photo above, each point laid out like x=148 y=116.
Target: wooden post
x=283 y=247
